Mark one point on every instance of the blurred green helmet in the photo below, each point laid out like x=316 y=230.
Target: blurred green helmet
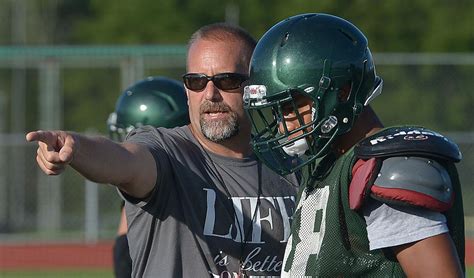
x=156 y=101
x=320 y=56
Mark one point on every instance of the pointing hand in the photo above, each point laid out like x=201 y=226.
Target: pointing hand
x=55 y=150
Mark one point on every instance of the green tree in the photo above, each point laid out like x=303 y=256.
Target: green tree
x=391 y=26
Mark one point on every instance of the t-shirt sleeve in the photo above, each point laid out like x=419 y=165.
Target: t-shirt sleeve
x=392 y=225
x=152 y=139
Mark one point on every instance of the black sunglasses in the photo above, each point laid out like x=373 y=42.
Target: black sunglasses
x=223 y=81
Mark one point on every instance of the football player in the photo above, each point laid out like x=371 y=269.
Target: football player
x=377 y=201
x=156 y=101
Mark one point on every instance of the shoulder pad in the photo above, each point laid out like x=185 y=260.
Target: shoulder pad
x=417 y=181
x=408 y=141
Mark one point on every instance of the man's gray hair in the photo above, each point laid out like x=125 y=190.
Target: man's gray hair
x=222 y=31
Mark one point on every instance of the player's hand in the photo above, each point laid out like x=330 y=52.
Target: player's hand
x=55 y=150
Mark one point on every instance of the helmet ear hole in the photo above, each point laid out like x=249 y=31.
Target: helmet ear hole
x=344 y=93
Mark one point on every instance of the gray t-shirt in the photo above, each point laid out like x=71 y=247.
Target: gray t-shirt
x=392 y=225
x=204 y=204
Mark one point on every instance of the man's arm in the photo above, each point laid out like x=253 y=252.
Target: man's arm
x=129 y=166
x=431 y=257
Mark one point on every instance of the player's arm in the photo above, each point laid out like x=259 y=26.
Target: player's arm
x=406 y=170
x=411 y=193
x=129 y=166
x=431 y=257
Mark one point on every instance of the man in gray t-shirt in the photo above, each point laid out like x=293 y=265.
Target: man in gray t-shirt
x=198 y=202
x=213 y=213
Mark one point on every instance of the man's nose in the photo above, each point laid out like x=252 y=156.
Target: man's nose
x=290 y=122
x=211 y=92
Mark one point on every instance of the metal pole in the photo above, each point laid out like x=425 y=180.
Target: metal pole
x=92 y=211
x=50 y=115
x=17 y=153
x=232 y=13
x=3 y=167
x=132 y=69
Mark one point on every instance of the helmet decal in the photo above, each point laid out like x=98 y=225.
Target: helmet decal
x=255 y=92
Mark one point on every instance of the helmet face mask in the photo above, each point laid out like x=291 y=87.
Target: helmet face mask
x=322 y=57
x=155 y=101
x=287 y=149
x=118 y=132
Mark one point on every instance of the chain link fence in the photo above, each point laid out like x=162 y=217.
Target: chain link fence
x=66 y=87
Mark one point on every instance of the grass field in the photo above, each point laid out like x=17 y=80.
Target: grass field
x=58 y=274
x=95 y=274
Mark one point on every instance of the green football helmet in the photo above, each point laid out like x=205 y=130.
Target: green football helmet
x=156 y=101
x=323 y=57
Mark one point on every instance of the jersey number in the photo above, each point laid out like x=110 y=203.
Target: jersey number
x=312 y=226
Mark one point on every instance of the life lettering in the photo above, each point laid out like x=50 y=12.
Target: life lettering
x=282 y=208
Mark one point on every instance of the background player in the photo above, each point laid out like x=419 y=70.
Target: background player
x=155 y=101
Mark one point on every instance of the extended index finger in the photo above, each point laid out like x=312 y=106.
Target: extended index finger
x=42 y=136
